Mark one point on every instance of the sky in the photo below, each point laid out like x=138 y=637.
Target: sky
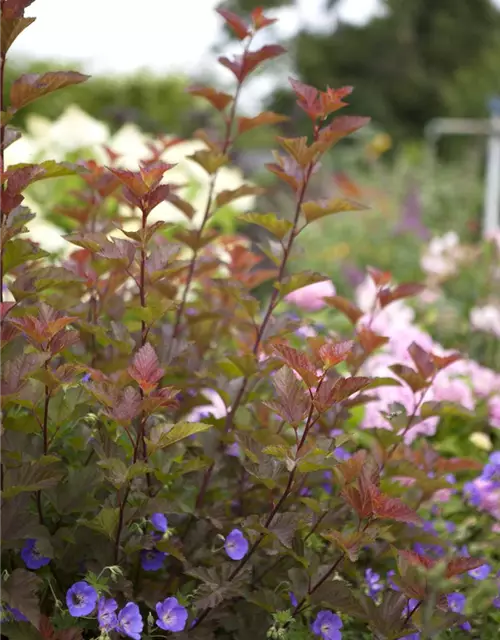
x=161 y=35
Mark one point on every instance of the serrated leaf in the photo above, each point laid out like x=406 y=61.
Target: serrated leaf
x=105 y=522
x=316 y=210
x=32 y=476
x=11 y=28
x=31 y=86
x=299 y=280
x=163 y=436
x=266 y=118
x=210 y=160
x=279 y=227
x=145 y=369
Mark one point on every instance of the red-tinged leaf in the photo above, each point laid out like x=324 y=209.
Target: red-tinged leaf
x=63 y=340
x=412 y=378
x=266 y=118
x=297 y=361
x=316 y=210
x=5 y=307
x=187 y=208
x=333 y=353
x=218 y=99
x=361 y=503
x=331 y=99
x=119 y=249
x=380 y=278
x=441 y=362
x=345 y=306
x=210 y=160
x=369 y=340
x=294 y=399
x=21 y=177
x=259 y=20
x=145 y=369
x=393 y=508
x=127 y=407
x=242 y=66
x=351 y=468
x=133 y=180
x=346 y=387
x=451 y=465
x=15 y=371
x=165 y=398
x=416 y=559
x=14 y=8
x=12 y=27
x=405 y=290
x=153 y=172
x=292 y=180
x=306 y=94
x=238 y=25
x=457 y=566
x=422 y=359
x=229 y=195
x=31 y=86
x=339 y=128
x=155 y=197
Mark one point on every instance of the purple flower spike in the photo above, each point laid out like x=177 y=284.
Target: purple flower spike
x=106 y=615
x=33 y=559
x=81 y=599
x=481 y=573
x=327 y=625
x=152 y=560
x=130 y=622
x=171 y=615
x=159 y=522
x=236 y=545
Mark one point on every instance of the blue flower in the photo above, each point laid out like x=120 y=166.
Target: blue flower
x=456 y=602
x=86 y=377
x=236 y=545
x=496 y=602
x=341 y=454
x=159 y=522
x=106 y=615
x=293 y=599
x=481 y=573
x=33 y=559
x=412 y=636
x=152 y=560
x=171 y=615
x=327 y=625
x=233 y=450
x=491 y=470
x=8 y=613
x=391 y=582
x=81 y=599
x=130 y=622
x=373 y=583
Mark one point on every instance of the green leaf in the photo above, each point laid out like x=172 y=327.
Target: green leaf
x=299 y=280
x=337 y=595
x=165 y=435
x=20 y=251
x=279 y=227
x=32 y=476
x=442 y=409
x=105 y=522
x=316 y=210
x=116 y=471
x=51 y=169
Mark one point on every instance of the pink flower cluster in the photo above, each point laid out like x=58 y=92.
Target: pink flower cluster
x=465 y=382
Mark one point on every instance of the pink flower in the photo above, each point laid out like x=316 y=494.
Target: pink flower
x=373 y=417
x=311 y=297
x=494 y=411
x=453 y=390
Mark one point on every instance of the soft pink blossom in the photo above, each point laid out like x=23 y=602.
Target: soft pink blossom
x=452 y=390
x=494 y=411
x=311 y=297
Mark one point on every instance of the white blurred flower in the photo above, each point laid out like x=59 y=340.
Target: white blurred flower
x=76 y=131
x=486 y=319
x=442 y=255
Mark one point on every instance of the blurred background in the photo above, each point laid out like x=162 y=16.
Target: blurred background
x=410 y=61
